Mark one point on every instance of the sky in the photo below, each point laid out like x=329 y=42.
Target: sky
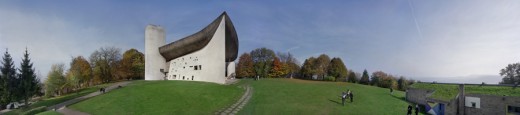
x=463 y=41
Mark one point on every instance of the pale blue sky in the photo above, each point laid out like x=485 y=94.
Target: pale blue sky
x=430 y=40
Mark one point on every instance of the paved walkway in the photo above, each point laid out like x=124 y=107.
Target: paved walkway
x=4 y=111
x=61 y=108
x=67 y=111
x=233 y=109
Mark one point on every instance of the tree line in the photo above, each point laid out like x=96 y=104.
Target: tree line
x=264 y=63
x=510 y=74
x=104 y=65
x=17 y=84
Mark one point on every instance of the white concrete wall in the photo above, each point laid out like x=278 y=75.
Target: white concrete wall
x=469 y=100
x=154 y=38
x=211 y=59
x=230 y=68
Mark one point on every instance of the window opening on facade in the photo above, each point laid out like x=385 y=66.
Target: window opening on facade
x=513 y=110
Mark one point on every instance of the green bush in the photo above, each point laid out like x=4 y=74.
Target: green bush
x=330 y=78
x=35 y=110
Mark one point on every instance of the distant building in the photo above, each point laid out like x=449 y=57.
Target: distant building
x=479 y=100
x=207 y=55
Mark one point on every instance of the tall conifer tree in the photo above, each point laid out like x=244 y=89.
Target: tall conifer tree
x=28 y=80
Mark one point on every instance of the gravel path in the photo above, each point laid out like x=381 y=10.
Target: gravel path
x=62 y=107
x=233 y=109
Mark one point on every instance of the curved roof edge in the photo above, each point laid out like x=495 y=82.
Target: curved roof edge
x=200 y=39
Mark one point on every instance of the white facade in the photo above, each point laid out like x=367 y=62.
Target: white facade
x=154 y=37
x=207 y=64
x=230 y=69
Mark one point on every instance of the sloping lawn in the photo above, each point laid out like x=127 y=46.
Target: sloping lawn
x=56 y=100
x=444 y=92
x=296 y=97
x=493 y=90
x=162 y=97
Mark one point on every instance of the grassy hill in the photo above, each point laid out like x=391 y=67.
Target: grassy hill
x=270 y=96
x=293 y=96
x=162 y=97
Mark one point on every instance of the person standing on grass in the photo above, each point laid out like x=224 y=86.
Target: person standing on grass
x=416 y=109
x=409 y=110
x=343 y=97
x=351 y=95
x=391 y=91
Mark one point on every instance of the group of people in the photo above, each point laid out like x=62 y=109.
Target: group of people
x=410 y=110
x=346 y=95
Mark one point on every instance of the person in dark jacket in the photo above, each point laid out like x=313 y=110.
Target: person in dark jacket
x=416 y=109
x=409 y=110
x=351 y=97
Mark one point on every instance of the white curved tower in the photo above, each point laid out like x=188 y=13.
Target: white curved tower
x=154 y=62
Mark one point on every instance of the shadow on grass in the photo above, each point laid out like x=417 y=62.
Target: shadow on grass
x=335 y=101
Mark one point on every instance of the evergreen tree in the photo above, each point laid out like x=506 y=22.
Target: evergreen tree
x=364 y=78
x=28 y=85
x=9 y=79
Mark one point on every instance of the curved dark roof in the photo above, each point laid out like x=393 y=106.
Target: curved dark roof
x=200 y=39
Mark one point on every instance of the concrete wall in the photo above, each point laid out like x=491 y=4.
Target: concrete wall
x=420 y=96
x=491 y=104
x=154 y=38
x=230 y=68
x=417 y=95
x=209 y=61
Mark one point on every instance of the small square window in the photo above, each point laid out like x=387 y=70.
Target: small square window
x=473 y=104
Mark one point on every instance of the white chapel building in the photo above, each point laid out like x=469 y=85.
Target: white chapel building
x=207 y=55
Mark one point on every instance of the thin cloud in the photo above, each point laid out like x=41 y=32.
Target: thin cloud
x=412 y=9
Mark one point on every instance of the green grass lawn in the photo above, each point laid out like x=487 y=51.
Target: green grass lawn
x=56 y=100
x=293 y=96
x=442 y=91
x=163 y=97
x=49 y=113
x=493 y=90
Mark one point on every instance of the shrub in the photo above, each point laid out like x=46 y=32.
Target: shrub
x=35 y=110
x=330 y=78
